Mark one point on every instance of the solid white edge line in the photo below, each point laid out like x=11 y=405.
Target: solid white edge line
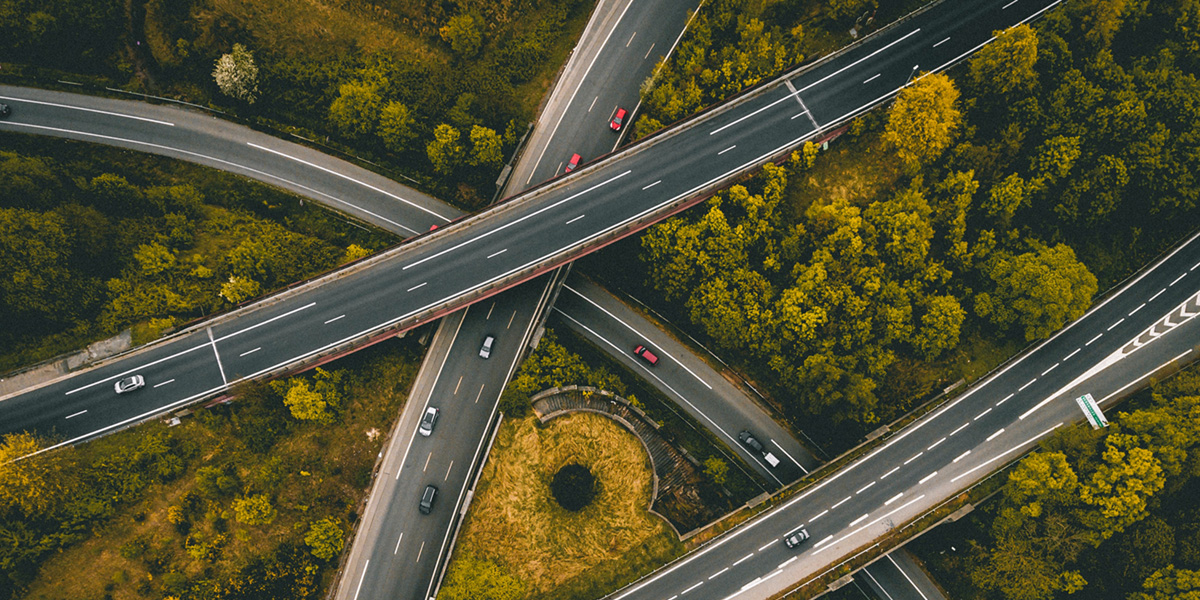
x=517 y=221
x=221 y=161
x=1002 y=454
x=360 y=579
x=349 y=178
x=570 y=100
x=809 y=86
x=714 y=426
x=640 y=334
x=923 y=596
x=91 y=110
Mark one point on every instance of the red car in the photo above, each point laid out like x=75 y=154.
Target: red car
x=646 y=355
x=618 y=119
x=571 y=164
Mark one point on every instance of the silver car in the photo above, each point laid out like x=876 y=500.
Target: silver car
x=129 y=384
x=795 y=538
x=429 y=421
x=486 y=350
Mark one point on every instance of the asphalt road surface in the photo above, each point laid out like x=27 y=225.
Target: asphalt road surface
x=478 y=256
x=599 y=66
x=1147 y=326
x=700 y=390
x=896 y=576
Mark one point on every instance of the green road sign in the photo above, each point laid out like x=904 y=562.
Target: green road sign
x=1091 y=410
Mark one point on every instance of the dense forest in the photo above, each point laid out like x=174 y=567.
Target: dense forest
x=1093 y=515
x=1055 y=162
x=93 y=240
x=441 y=91
x=246 y=501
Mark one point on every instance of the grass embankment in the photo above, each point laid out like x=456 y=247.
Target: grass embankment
x=550 y=552
x=169 y=526
x=104 y=238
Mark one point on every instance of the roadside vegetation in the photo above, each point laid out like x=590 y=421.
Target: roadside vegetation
x=440 y=91
x=732 y=45
x=96 y=239
x=1107 y=514
x=519 y=543
x=982 y=212
x=572 y=360
x=250 y=500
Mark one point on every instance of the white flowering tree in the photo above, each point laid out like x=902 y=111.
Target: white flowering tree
x=237 y=75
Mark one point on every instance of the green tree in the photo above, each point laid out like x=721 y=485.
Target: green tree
x=1121 y=486
x=113 y=195
x=397 y=126
x=216 y=481
x=940 y=326
x=355 y=252
x=1006 y=197
x=464 y=34
x=1170 y=584
x=35 y=276
x=842 y=9
x=356 y=110
x=306 y=403
x=486 y=148
x=922 y=121
x=237 y=75
x=326 y=538
x=446 y=150
x=1040 y=290
x=239 y=289
x=36 y=485
x=476 y=579
x=1005 y=66
x=154 y=259
x=716 y=470
x=254 y=510
x=1041 y=479
x=1055 y=158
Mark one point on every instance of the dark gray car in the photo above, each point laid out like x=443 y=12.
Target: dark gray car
x=427 y=498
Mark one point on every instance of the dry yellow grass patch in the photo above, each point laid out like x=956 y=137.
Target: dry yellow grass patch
x=515 y=522
x=299 y=27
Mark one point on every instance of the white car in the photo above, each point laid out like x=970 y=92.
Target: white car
x=429 y=421
x=129 y=384
x=486 y=350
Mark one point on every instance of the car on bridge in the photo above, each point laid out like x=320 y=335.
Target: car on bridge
x=571 y=164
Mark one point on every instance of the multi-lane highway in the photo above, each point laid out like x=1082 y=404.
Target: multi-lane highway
x=479 y=256
x=688 y=380
x=911 y=472
x=1148 y=326
x=600 y=66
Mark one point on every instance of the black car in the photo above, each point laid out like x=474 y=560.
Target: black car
x=748 y=439
x=427 y=498
x=4 y=111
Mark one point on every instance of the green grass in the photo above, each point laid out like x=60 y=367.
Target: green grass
x=515 y=522
x=683 y=430
x=311 y=472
